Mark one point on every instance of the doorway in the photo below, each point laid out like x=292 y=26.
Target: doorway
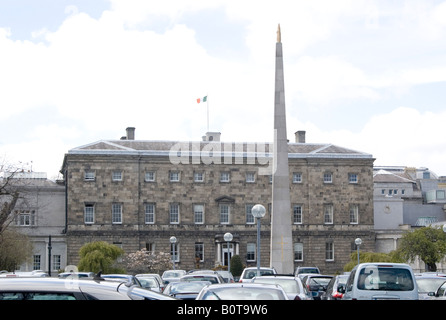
x=227 y=253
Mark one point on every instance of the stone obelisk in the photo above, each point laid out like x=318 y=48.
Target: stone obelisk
x=281 y=233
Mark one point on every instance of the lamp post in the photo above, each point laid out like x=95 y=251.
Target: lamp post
x=358 y=243
x=258 y=211
x=228 y=238
x=173 y=241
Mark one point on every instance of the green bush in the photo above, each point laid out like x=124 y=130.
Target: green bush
x=236 y=266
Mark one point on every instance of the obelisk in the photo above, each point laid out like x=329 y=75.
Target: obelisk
x=281 y=233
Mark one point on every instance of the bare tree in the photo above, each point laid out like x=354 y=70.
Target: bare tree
x=14 y=247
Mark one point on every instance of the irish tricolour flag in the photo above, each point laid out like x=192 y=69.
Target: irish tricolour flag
x=204 y=99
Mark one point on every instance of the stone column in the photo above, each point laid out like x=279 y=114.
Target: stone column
x=281 y=232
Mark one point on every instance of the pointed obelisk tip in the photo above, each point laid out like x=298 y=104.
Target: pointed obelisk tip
x=279 y=36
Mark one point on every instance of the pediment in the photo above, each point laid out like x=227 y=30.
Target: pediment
x=225 y=199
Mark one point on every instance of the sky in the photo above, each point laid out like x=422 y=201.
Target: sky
x=364 y=75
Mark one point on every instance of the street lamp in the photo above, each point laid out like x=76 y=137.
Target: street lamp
x=173 y=241
x=228 y=238
x=358 y=243
x=258 y=211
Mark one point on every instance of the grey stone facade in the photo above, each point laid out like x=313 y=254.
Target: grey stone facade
x=134 y=194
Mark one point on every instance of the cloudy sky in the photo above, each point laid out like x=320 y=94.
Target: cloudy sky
x=366 y=75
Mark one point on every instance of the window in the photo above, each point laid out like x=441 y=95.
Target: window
x=149 y=176
x=251 y=252
x=383 y=191
x=89 y=213
x=36 y=262
x=25 y=218
x=352 y=178
x=174 y=213
x=328 y=214
x=117 y=175
x=149 y=213
x=89 y=175
x=56 y=262
x=224 y=214
x=174 y=249
x=198 y=213
x=328 y=177
x=297 y=177
x=199 y=252
x=250 y=177
x=116 y=213
x=198 y=176
x=249 y=217
x=174 y=176
x=329 y=251
x=354 y=214
x=298 y=252
x=225 y=176
x=297 y=214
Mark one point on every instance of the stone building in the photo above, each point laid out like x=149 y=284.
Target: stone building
x=40 y=214
x=138 y=193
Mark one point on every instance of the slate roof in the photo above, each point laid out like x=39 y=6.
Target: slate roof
x=390 y=177
x=158 y=147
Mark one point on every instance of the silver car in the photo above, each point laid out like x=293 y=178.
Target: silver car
x=72 y=289
x=293 y=286
x=242 y=291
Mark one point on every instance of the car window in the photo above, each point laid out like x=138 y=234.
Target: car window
x=252 y=273
x=385 y=278
x=429 y=285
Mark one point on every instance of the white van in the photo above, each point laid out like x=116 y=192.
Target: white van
x=381 y=281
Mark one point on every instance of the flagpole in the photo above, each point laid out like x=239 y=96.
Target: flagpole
x=207 y=107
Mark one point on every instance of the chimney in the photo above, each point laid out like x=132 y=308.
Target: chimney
x=212 y=136
x=300 y=136
x=130 y=133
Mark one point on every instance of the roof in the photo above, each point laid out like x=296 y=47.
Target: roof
x=257 y=149
x=390 y=177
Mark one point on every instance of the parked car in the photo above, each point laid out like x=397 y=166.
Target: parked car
x=316 y=284
x=156 y=275
x=76 y=275
x=242 y=291
x=121 y=278
x=381 y=281
x=306 y=270
x=293 y=286
x=28 y=274
x=151 y=283
x=226 y=275
x=185 y=290
x=46 y=288
x=172 y=275
x=440 y=293
x=428 y=282
x=251 y=272
x=211 y=277
x=332 y=291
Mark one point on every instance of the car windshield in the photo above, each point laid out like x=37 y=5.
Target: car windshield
x=148 y=282
x=308 y=270
x=211 y=279
x=238 y=293
x=187 y=287
x=429 y=284
x=385 y=278
x=289 y=285
x=252 y=273
x=172 y=274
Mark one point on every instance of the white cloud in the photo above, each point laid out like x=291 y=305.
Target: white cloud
x=123 y=69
